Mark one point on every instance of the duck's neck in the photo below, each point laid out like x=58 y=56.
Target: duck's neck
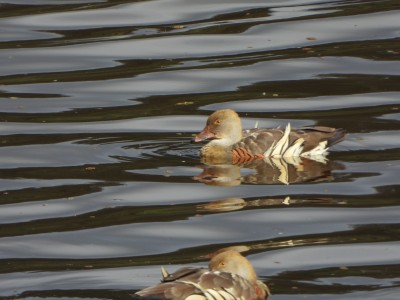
x=217 y=151
x=220 y=149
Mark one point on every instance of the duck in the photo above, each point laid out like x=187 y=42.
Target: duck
x=229 y=276
x=229 y=143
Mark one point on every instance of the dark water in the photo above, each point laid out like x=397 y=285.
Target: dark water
x=100 y=185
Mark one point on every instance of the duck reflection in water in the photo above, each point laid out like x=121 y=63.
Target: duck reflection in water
x=234 y=204
x=229 y=276
x=269 y=171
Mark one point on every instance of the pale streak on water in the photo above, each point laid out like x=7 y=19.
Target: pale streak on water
x=100 y=185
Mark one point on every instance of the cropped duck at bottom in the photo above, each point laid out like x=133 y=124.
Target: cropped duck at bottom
x=230 y=276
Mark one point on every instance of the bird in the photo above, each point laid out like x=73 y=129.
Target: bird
x=229 y=276
x=228 y=143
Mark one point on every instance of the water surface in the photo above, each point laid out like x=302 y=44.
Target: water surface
x=100 y=184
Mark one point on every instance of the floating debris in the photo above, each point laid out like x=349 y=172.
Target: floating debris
x=185 y=103
x=178 y=26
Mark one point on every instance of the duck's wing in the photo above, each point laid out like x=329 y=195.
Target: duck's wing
x=176 y=286
x=269 y=142
x=290 y=142
x=313 y=135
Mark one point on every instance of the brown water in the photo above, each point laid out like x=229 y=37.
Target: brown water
x=100 y=185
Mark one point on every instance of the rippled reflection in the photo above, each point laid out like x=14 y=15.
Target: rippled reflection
x=270 y=171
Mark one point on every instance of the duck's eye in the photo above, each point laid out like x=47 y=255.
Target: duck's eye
x=221 y=264
x=217 y=122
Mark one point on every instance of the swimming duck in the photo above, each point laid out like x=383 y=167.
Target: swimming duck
x=230 y=276
x=229 y=143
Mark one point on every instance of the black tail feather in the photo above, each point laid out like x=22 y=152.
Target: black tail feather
x=338 y=136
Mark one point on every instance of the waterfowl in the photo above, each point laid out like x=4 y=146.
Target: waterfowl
x=229 y=143
x=229 y=276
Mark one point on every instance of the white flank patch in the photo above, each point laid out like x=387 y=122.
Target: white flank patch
x=282 y=144
x=195 y=297
x=295 y=161
x=214 y=295
x=269 y=151
x=210 y=294
x=281 y=148
x=164 y=272
x=320 y=150
x=226 y=295
x=295 y=150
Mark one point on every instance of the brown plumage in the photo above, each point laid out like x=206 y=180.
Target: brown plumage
x=229 y=143
x=230 y=276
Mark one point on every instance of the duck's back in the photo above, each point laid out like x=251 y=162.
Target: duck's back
x=260 y=141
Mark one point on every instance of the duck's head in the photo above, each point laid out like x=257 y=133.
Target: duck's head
x=233 y=262
x=223 y=125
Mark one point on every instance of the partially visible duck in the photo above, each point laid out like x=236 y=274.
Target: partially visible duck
x=230 y=276
x=229 y=143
